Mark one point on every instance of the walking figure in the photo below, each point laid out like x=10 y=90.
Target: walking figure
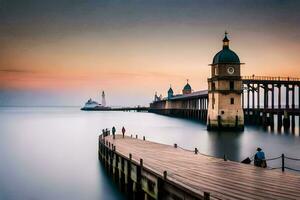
x=123 y=131
x=113 y=130
x=260 y=159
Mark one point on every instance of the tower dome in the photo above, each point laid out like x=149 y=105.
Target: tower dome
x=226 y=56
x=187 y=88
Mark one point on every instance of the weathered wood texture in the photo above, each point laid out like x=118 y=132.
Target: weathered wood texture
x=222 y=179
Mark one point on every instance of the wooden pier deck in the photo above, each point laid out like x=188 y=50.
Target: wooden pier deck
x=191 y=176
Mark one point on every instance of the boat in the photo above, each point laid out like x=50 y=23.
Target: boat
x=92 y=105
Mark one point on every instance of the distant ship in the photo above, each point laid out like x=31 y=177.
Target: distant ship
x=91 y=105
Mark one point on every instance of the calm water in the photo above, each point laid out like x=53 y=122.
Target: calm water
x=51 y=153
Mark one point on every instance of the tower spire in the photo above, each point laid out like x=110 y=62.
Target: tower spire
x=226 y=40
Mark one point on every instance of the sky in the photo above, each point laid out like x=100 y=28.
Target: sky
x=62 y=52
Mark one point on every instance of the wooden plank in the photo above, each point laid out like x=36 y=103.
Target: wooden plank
x=222 y=179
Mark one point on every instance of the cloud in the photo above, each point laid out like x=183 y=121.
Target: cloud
x=16 y=71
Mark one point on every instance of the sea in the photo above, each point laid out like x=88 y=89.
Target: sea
x=50 y=153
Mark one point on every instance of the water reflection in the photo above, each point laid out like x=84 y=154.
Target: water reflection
x=225 y=143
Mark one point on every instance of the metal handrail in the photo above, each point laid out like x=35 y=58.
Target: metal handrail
x=294 y=159
x=269 y=159
x=270 y=78
x=283 y=166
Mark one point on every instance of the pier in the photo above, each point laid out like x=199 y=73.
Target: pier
x=149 y=170
x=262 y=101
x=125 y=109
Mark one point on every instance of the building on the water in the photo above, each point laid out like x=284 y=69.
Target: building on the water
x=225 y=90
x=220 y=106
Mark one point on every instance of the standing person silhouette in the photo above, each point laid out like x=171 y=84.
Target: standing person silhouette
x=123 y=131
x=113 y=130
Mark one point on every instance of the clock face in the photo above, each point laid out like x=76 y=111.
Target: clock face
x=230 y=70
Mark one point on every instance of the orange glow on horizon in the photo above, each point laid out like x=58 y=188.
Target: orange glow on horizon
x=150 y=64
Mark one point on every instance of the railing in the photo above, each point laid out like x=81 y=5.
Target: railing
x=282 y=157
x=283 y=163
x=261 y=106
x=269 y=78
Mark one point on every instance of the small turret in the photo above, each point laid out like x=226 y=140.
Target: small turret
x=155 y=97
x=170 y=92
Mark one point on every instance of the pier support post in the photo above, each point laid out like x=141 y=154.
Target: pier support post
x=293 y=122
x=264 y=119
x=206 y=196
x=138 y=188
x=129 y=186
x=282 y=163
x=271 y=121
x=279 y=116
x=253 y=104
x=165 y=175
x=111 y=162
x=293 y=96
x=299 y=104
x=248 y=103
x=258 y=120
x=293 y=108
x=287 y=101
x=286 y=121
x=196 y=151
x=258 y=96
x=271 y=118
x=279 y=96
x=160 y=186
x=272 y=103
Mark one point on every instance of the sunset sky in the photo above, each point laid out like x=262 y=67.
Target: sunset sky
x=61 y=52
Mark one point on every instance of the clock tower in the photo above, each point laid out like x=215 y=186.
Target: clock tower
x=224 y=91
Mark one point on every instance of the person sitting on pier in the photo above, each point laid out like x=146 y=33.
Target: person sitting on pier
x=260 y=159
x=123 y=131
x=113 y=130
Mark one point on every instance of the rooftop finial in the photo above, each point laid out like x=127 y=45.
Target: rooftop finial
x=187 y=80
